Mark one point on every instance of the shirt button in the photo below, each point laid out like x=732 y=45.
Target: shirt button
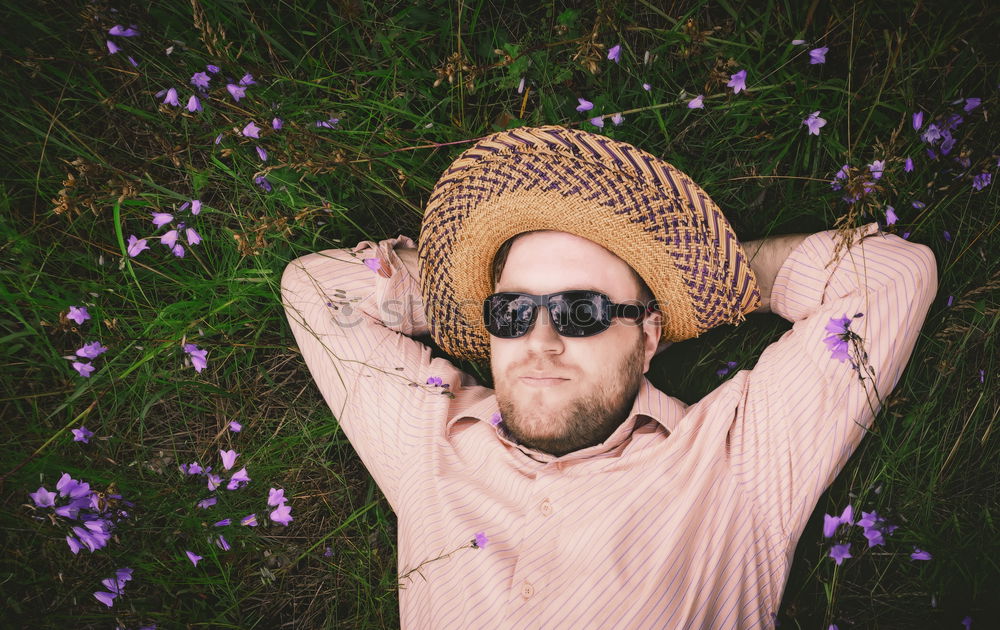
x=527 y=590
x=546 y=508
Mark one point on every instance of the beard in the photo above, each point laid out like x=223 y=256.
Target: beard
x=561 y=427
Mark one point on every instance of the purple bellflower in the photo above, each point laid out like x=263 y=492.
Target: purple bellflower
x=136 y=246
x=239 y=479
x=228 y=458
x=78 y=314
x=697 y=102
x=932 y=134
x=876 y=168
x=121 y=31
x=275 y=497
x=105 y=598
x=171 y=98
x=840 y=552
x=236 y=91
x=818 y=55
x=169 y=238
x=251 y=130
x=69 y=487
x=814 y=123
x=199 y=357
x=614 y=54
x=920 y=554
x=200 y=80
x=84 y=369
x=726 y=369
x=282 y=515
x=43 y=498
x=874 y=537
x=738 y=81
x=890 y=215
x=840 y=337
x=91 y=350
x=83 y=434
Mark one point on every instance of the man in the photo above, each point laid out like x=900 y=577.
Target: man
x=603 y=502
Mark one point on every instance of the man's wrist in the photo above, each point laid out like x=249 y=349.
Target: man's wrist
x=408 y=256
x=766 y=256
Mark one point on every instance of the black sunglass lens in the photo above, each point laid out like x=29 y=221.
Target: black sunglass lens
x=579 y=314
x=509 y=315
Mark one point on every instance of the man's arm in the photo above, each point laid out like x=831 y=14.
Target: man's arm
x=801 y=411
x=353 y=324
x=766 y=258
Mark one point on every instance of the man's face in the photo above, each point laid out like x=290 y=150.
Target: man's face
x=593 y=380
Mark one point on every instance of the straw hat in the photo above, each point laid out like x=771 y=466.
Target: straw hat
x=630 y=202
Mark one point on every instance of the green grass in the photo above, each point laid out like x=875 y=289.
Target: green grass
x=70 y=109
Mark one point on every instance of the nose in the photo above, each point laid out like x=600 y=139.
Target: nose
x=542 y=337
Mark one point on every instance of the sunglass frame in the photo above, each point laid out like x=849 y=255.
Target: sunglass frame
x=608 y=311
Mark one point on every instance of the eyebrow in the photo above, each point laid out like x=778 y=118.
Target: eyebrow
x=522 y=290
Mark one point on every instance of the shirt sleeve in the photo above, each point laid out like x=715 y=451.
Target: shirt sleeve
x=353 y=325
x=802 y=412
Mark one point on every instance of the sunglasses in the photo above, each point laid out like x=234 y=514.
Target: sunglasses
x=579 y=313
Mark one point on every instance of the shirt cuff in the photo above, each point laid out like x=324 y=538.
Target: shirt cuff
x=397 y=301
x=802 y=282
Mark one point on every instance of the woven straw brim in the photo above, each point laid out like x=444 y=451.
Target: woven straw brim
x=630 y=202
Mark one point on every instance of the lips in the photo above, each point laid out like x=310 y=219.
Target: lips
x=535 y=381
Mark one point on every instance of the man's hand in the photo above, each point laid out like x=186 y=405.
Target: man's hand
x=766 y=257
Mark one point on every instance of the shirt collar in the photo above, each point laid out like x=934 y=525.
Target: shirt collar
x=649 y=402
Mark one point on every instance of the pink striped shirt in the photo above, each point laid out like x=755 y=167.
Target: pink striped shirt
x=686 y=517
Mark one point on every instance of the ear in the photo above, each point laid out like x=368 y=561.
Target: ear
x=652 y=332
